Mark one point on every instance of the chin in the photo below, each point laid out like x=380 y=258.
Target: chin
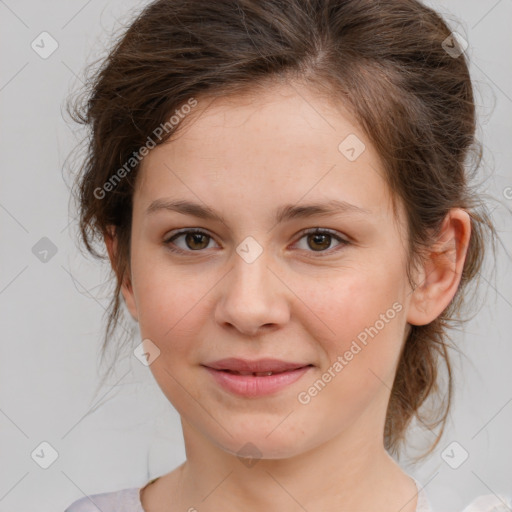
x=259 y=445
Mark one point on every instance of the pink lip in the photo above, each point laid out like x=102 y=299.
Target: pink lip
x=255 y=386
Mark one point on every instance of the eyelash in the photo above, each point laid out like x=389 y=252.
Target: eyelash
x=310 y=231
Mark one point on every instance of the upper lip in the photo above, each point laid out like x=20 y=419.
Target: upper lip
x=259 y=365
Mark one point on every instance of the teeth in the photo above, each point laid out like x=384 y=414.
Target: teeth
x=257 y=374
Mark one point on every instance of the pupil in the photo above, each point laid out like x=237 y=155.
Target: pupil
x=193 y=238
x=316 y=238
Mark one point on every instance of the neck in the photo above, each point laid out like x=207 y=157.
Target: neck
x=334 y=476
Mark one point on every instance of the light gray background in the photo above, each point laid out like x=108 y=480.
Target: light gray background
x=51 y=313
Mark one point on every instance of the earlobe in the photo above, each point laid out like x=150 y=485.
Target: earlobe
x=442 y=271
x=126 y=288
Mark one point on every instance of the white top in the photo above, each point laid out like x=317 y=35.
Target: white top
x=128 y=500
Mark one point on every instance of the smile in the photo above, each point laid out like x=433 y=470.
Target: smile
x=256 y=384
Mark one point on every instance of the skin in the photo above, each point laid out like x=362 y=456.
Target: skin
x=244 y=157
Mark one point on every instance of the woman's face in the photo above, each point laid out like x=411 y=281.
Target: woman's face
x=254 y=285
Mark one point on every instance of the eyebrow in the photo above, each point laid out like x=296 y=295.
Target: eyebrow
x=283 y=214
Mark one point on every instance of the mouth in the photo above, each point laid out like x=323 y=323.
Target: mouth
x=256 y=378
x=260 y=367
x=262 y=374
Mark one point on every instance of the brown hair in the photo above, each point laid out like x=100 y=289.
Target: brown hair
x=385 y=61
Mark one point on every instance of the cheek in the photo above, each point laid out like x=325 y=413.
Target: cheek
x=354 y=300
x=168 y=301
x=361 y=316
x=170 y=305
x=359 y=359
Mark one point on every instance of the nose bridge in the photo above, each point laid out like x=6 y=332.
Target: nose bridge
x=251 y=297
x=250 y=266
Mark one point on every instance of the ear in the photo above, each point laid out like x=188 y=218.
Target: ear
x=126 y=288
x=440 y=275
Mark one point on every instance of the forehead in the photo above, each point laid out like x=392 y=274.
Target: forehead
x=284 y=117
x=285 y=139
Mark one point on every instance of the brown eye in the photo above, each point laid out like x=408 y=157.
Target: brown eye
x=319 y=240
x=194 y=241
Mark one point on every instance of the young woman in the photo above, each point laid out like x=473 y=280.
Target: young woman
x=283 y=191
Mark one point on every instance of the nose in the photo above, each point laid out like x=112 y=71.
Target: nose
x=253 y=298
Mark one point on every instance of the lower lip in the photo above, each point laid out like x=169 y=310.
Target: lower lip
x=255 y=386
